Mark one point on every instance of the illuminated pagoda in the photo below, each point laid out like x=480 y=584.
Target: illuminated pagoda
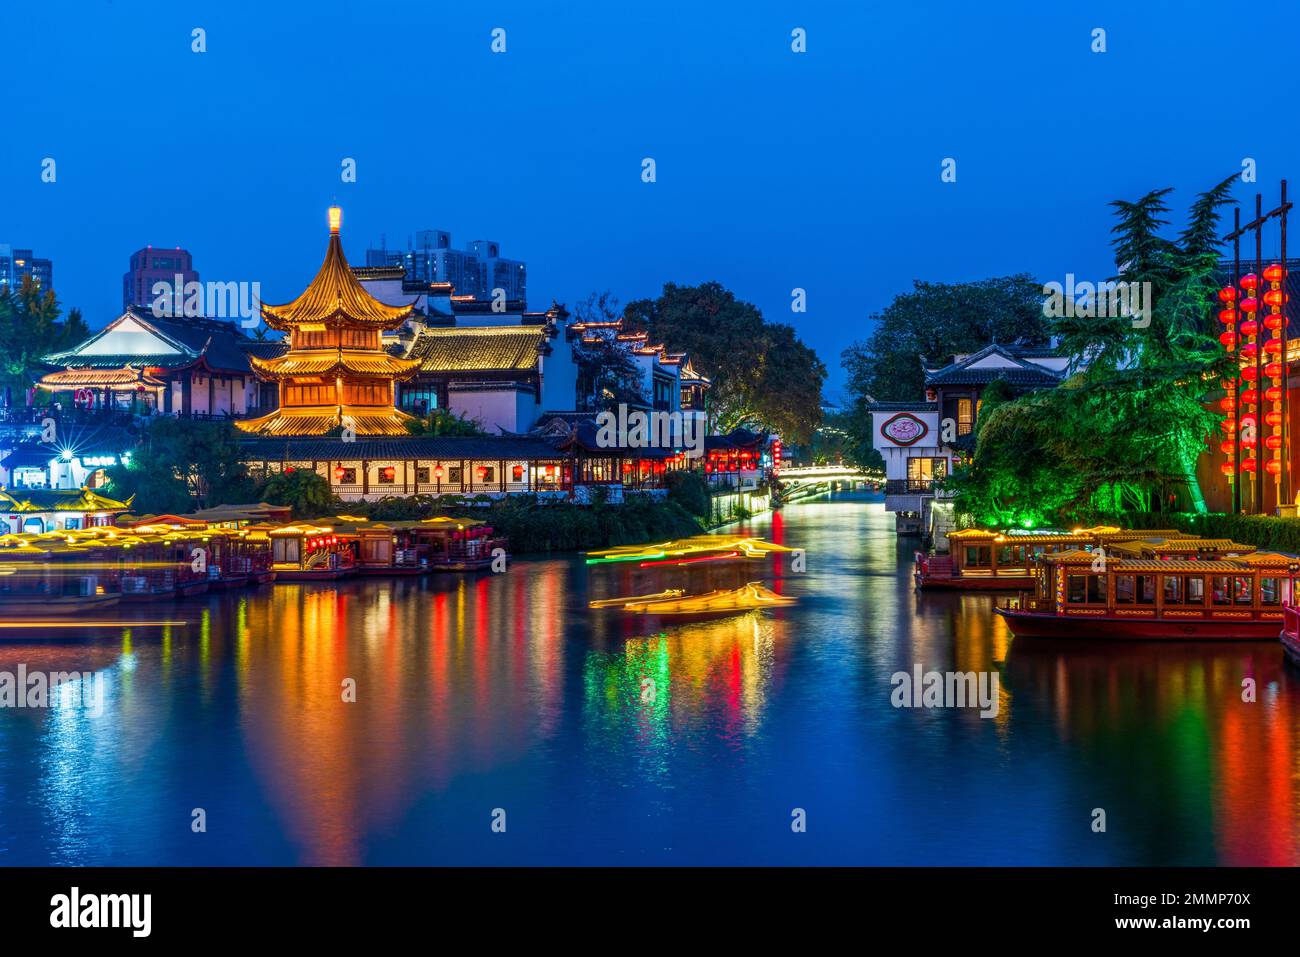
x=336 y=374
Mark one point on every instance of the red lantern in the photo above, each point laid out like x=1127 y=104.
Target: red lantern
x=1229 y=339
x=1273 y=393
x=339 y=472
x=1227 y=316
x=1227 y=446
x=1273 y=322
x=482 y=471
x=1249 y=281
x=1248 y=464
x=1249 y=304
x=1273 y=370
x=1248 y=350
x=1228 y=425
x=518 y=472
x=1273 y=442
x=1249 y=373
x=1227 y=294
x=1249 y=328
x=1228 y=469
x=1273 y=467
x=1250 y=396
x=1227 y=403
x=1273 y=272
x=1274 y=297
x=1273 y=345
x=437 y=470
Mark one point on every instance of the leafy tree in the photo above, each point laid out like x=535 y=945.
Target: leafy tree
x=935 y=321
x=30 y=329
x=607 y=373
x=443 y=422
x=1125 y=431
x=307 y=493
x=181 y=465
x=763 y=376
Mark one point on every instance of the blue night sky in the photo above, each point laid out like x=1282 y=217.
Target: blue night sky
x=775 y=170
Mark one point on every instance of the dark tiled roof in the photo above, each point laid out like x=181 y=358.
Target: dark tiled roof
x=1027 y=377
x=413 y=447
x=1019 y=372
x=903 y=406
x=478 y=348
x=735 y=439
x=220 y=343
x=586 y=437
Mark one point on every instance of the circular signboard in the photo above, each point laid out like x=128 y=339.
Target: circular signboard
x=904 y=429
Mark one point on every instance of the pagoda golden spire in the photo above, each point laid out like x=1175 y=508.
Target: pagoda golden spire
x=336 y=372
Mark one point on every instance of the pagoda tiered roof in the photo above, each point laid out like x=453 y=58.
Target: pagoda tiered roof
x=308 y=420
x=326 y=362
x=335 y=296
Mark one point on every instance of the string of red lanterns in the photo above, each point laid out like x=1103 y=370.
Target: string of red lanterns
x=1228 y=404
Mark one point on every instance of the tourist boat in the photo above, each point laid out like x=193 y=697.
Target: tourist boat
x=306 y=552
x=629 y=599
x=458 y=544
x=1101 y=596
x=52 y=579
x=982 y=560
x=750 y=597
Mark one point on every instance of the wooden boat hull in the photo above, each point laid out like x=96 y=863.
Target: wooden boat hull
x=234 y=581
x=263 y=578
x=390 y=571
x=1291 y=645
x=475 y=565
x=194 y=588
x=141 y=597
x=1029 y=624
x=54 y=606
x=1001 y=583
x=311 y=574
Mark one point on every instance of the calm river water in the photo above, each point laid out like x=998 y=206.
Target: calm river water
x=481 y=695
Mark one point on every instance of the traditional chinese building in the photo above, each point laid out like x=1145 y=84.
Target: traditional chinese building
x=56 y=510
x=144 y=364
x=922 y=441
x=336 y=373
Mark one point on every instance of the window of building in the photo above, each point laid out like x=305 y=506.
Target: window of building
x=346 y=476
x=387 y=475
x=454 y=473
x=422 y=474
x=979 y=556
x=965 y=416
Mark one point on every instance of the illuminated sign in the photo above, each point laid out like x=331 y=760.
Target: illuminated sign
x=904 y=429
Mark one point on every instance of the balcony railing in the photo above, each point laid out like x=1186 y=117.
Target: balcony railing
x=909 y=486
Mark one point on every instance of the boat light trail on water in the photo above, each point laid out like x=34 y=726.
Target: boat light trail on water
x=691 y=561
x=81 y=623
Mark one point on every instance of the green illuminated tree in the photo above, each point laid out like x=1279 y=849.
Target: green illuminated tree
x=1126 y=429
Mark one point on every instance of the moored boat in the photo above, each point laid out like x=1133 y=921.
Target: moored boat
x=983 y=560
x=1101 y=596
x=53 y=579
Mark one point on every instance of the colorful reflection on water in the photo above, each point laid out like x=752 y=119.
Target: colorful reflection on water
x=606 y=738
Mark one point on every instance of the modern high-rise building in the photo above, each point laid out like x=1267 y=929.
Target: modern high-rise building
x=477 y=271
x=17 y=263
x=149 y=266
x=496 y=272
